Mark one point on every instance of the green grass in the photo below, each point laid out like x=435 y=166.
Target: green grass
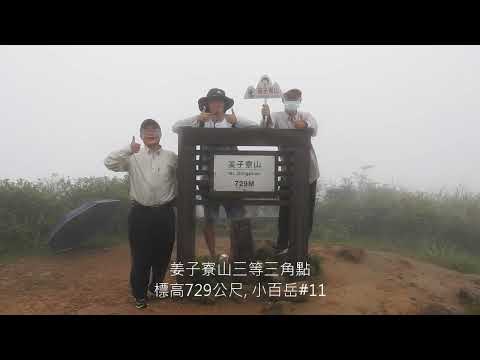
x=30 y=209
x=441 y=228
x=458 y=261
x=447 y=257
x=472 y=309
x=97 y=242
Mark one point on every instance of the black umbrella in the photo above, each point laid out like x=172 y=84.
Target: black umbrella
x=81 y=223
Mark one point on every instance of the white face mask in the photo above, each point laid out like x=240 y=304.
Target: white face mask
x=291 y=106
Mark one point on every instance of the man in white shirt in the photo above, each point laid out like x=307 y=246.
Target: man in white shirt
x=291 y=118
x=213 y=115
x=151 y=221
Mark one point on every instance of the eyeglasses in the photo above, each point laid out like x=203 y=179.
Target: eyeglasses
x=150 y=132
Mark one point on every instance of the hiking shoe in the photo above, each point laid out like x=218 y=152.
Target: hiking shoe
x=140 y=303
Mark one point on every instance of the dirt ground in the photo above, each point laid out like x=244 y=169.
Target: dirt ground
x=96 y=282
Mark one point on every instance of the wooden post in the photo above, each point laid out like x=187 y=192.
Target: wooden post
x=299 y=248
x=297 y=141
x=185 y=203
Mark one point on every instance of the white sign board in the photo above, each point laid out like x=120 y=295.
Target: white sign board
x=265 y=89
x=244 y=173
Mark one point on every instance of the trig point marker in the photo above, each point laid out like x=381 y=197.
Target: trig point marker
x=264 y=90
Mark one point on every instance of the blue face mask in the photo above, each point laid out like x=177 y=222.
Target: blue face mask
x=291 y=106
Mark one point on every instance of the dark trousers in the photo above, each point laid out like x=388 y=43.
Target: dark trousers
x=284 y=221
x=151 y=233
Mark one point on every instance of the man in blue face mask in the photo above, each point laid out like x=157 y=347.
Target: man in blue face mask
x=292 y=118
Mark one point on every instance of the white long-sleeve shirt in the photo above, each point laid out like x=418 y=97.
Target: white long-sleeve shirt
x=193 y=122
x=152 y=174
x=281 y=120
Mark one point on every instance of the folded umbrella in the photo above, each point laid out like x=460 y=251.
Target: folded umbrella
x=81 y=223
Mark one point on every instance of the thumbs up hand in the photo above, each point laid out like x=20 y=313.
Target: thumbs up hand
x=231 y=118
x=134 y=146
x=204 y=117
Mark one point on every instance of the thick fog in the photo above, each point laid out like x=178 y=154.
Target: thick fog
x=411 y=111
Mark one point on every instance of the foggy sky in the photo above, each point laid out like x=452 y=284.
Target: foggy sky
x=411 y=111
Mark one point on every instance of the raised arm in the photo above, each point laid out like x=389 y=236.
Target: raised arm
x=119 y=160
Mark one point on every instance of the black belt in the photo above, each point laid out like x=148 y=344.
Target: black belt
x=156 y=206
